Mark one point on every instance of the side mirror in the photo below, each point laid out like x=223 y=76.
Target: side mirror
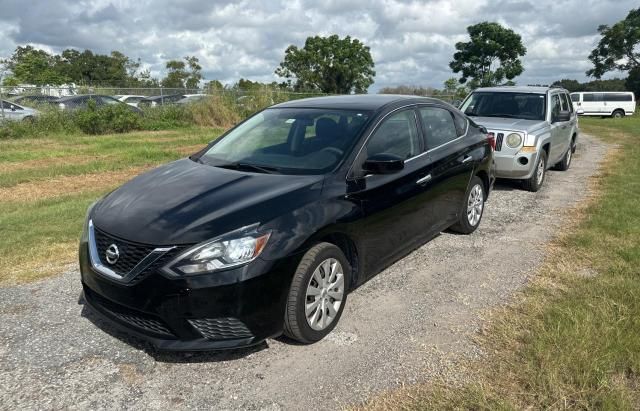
x=383 y=164
x=562 y=116
x=13 y=108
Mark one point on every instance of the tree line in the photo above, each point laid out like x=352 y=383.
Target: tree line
x=335 y=65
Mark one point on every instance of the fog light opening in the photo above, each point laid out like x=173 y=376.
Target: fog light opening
x=523 y=160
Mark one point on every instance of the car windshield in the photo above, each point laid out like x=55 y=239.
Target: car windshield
x=527 y=106
x=289 y=141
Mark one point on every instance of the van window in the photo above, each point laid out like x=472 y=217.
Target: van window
x=592 y=97
x=617 y=97
x=575 y=97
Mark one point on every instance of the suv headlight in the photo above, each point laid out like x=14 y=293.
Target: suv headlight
x=514 y=140
x=230 y=250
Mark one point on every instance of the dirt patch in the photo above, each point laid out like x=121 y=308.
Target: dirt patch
x=47 y=162
x=59 y=186
x=187 y=150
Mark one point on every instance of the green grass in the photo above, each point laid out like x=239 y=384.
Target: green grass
x=573 y=340
x=46 y=184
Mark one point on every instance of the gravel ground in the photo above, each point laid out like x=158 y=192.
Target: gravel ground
x=412 y=322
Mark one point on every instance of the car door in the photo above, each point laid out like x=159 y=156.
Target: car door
x=568 y=127
x=558 y=131
x=394 y=206
x=451 y=162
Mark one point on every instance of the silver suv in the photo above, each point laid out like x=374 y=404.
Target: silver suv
x=535 y=128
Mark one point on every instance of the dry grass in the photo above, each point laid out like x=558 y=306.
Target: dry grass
x=64 y=185
x=38 y=262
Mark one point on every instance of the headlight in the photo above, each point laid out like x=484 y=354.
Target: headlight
x=514 y=140
x=230 y=250
x=84 y=237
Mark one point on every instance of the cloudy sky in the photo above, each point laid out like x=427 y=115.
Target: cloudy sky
x=411 y=42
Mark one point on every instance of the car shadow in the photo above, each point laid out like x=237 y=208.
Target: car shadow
x=166 y=356
x=507 y=185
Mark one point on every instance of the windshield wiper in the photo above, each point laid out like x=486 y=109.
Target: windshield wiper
x=249 y=167
x=501 y=115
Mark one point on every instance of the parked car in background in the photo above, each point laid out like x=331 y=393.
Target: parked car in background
x=269 y=228
x=35 y=99
x=160 y=100
x=535 y=128
x=191 y=98
x=129 y=99
x=82 y=101
x=11 y=111
x=594 y=103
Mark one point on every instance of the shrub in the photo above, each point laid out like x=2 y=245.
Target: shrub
x=169 y=116
x=116 y=118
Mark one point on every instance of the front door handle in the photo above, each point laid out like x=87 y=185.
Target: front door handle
x=424 y=180
x=467 y=159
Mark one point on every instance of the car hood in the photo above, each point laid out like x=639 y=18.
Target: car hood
x=185 y=202
x=510 y=124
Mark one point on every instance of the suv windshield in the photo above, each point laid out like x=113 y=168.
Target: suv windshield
x=289 y=140
x=527 y=106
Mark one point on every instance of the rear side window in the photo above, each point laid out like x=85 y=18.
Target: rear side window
x=556 y=106
x=617 y=97
x=397 y=135
x=592 y=97
x=439 y=126
x=566 y=103
x=575 y=97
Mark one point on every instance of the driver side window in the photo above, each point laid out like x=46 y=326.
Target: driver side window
x=397 y=135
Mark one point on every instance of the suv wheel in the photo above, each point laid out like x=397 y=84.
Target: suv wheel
x=472 y=208
x=318 y=294
x=617 y=114
x=534 y=183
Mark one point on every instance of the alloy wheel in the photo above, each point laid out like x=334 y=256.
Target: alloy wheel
x=324 y=295
x=475 y=203
x=540 y=172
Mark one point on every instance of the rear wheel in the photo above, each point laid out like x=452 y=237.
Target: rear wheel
x=318 y=294
x=617 y=114
x=534 y=183
x=472 y=208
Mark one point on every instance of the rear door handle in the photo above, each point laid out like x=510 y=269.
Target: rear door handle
x=424 y=180
x=466 y=159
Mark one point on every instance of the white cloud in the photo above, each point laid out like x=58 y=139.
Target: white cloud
x=412 y=42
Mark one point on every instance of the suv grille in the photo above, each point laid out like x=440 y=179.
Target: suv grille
x=138 y=320
x=221 y=328
x=499 y=139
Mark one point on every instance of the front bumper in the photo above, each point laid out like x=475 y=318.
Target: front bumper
x=510 y=165
x=231 y=309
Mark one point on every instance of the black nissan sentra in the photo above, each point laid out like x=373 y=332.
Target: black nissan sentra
x=267 y=229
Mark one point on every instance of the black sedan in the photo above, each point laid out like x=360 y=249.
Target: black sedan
x=268 y=228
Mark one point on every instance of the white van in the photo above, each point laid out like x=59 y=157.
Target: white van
x=609 y=103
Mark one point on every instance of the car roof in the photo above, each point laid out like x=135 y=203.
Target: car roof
x=518 y=89
x=355 y=102
x=68 y=98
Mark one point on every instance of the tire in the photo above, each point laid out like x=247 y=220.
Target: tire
x=617 y=113
x=309 y=278
x=472 y=208
x=564 y=164
x=534 y=183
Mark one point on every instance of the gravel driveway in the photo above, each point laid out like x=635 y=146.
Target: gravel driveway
x=410 y=323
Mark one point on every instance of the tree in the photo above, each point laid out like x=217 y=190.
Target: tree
x=34 y=66
x=492 y=55
x=179 y=77
x=329 y=64
x=633 y=81
x=619 y=47
x=453 y=89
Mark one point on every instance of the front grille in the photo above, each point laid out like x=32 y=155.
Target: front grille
x=130 y=253
x=499 y=141
x=221 y=328
x=136 y=319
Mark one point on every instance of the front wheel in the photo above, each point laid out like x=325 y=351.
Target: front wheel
x=534 y=183
x=318 y=294
x=472 y=208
